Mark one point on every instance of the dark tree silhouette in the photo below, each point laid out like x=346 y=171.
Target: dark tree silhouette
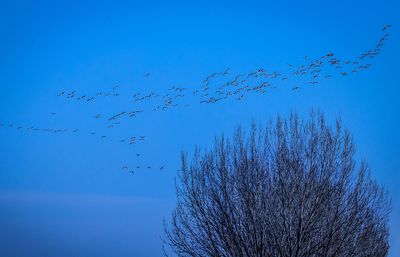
x=290 y=189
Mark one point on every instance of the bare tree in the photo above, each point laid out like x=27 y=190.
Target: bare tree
x=290 y=189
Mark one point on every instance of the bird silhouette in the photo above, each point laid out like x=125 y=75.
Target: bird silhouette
x=216 y=87
x=387 y=26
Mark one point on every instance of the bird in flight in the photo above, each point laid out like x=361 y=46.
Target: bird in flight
x=231 y=86
x=386 y=27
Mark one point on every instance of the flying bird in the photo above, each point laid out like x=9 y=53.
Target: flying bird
x=386 y=27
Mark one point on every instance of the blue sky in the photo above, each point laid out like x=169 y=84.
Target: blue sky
x=65 y=194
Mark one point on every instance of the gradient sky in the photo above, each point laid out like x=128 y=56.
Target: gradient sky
x=65 y=194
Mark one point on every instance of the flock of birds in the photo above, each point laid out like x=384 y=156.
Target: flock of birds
x=218 y=87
